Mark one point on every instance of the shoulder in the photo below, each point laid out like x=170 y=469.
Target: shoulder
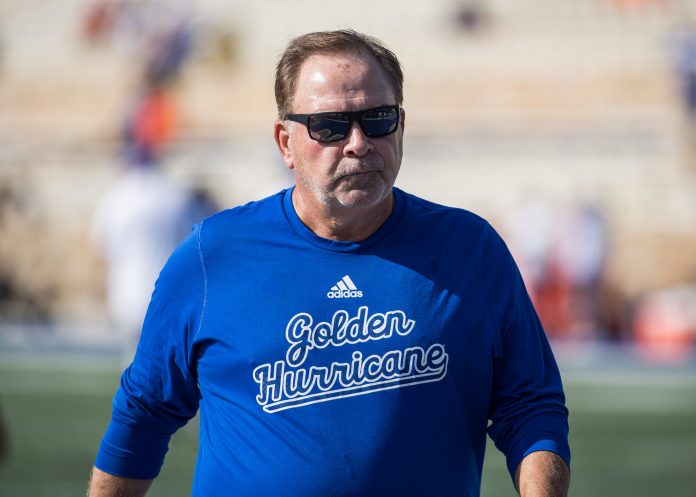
x=263 y=210
x=238 y=222
x=433 y=216
x=455 y=230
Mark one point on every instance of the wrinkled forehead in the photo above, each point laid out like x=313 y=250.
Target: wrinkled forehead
x=341 y=82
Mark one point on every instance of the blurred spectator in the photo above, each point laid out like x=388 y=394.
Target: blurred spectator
x=149 y=126
x=580 y=255
x=137 y=224
x=614 y=312
x=157 y=33
x=162 y=38
x=665 y=324
x=167 y=52
x=562 y=259
x=529 y=230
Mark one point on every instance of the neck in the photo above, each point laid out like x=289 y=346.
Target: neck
x=342 y=223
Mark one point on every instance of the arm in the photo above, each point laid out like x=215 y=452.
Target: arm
x=542 y=474
x=105 y=485
x=158 y=392
x=527 y=407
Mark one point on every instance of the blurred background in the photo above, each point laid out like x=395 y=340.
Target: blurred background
x=569 y=124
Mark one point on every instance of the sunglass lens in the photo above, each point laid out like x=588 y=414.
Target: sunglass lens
x=380 y=122
x=329 y=127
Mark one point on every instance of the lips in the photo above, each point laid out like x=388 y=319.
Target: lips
x=358 y=176
x=357 y=173
x=362 y=167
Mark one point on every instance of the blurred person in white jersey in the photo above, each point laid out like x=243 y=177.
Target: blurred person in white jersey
x=137 y=224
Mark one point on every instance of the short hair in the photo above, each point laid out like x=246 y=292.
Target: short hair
x=341 y=42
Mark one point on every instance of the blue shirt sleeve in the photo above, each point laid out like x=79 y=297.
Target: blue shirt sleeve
x=158 y=393
x=527 y=409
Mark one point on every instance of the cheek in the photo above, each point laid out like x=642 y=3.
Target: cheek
x=321 y=159
x=316 y=164
x=302 y=146
x=391 y=153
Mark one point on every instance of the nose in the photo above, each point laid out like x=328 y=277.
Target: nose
x=358 y=144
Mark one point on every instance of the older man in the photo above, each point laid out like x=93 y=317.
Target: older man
x=342 y=337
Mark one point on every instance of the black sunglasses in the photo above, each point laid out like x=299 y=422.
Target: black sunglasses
x=329 y=127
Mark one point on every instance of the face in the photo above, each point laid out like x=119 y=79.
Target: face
x=357 y=171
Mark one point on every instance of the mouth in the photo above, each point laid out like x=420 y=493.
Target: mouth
x=359 y=173
x=361 y=167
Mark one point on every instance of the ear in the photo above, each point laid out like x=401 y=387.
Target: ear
x=281 y=134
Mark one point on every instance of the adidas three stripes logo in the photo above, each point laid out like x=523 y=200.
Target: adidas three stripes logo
x=344 y=289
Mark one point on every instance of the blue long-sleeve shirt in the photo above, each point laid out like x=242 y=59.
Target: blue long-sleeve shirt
x=325 y=367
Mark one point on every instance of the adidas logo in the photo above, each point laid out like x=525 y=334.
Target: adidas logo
x=344 y=289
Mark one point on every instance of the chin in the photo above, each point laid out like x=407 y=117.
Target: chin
x=363 y=197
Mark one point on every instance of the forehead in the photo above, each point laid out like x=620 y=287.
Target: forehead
x=341 y=82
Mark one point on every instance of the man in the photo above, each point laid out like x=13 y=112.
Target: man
x=342 y=337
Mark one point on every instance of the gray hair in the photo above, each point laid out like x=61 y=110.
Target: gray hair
x=344 y=42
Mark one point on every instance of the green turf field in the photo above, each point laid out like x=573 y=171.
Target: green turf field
x=632 y=434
